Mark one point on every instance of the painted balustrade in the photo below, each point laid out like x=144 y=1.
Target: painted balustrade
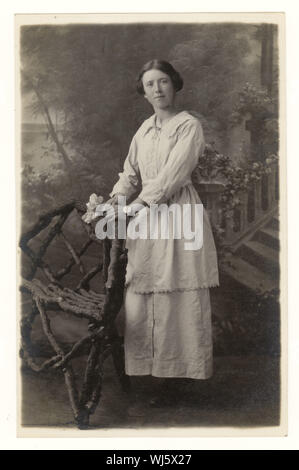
x=255 y=205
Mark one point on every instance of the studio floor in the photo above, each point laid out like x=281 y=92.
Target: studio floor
x=243 y=392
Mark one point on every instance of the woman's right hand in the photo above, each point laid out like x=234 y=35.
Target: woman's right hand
x=110 y=207
x=115 y=200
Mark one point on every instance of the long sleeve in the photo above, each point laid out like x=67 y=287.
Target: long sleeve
x=181 y=162
x=129 y=178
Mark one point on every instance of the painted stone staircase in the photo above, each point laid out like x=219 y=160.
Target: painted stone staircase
x=254 y=264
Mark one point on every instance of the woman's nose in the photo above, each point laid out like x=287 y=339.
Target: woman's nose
x=157 y=87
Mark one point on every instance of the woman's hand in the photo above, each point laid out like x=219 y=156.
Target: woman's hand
x=115 y=200
x=138 y=200
x=110 y=208
x=136 y=206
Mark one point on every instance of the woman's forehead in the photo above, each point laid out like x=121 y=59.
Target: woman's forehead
x=153 y=74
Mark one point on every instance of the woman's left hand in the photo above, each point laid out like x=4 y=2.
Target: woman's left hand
x=116 y=211
x=136 y=206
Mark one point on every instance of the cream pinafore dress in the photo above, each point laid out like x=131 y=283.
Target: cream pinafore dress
x=168 y=329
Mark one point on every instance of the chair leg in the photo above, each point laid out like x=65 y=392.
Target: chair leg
x=82 y=419
x=118 y=356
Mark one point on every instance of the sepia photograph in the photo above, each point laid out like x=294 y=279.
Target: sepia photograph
x=151 y=175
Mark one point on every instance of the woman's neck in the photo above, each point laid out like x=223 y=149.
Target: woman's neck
x=164 y=115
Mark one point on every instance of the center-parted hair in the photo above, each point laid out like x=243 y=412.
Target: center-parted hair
x=163 y=66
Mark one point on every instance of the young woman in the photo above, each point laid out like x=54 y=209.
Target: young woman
x=167 y=304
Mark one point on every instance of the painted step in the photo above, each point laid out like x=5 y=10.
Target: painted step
x=248 y=275
x=269 y=236
x=261 y=256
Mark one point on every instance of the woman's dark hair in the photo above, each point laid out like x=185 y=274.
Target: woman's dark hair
x=165 y=67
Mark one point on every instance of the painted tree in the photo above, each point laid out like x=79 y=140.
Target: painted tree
x=85 y=76
x=215 y=65
x=261 y=102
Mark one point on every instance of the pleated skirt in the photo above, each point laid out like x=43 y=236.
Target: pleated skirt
x=169 y=334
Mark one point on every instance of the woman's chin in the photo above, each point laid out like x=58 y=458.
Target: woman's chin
x=163 y=106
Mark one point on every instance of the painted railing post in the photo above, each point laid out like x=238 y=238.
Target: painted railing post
x=258 y=198
x=229 y=227
x=210 y=192
x=243 y=211
x=271 y=185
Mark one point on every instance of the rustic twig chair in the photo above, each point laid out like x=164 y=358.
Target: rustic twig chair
x=47 y=291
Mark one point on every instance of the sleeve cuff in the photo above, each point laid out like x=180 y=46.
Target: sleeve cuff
x=122 y=189
x=151 y=197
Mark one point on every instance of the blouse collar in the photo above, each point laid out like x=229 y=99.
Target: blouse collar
x=170 y=126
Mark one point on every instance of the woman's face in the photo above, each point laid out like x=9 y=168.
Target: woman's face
x=158 y=89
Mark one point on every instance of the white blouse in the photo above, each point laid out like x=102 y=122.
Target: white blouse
x=162 y=159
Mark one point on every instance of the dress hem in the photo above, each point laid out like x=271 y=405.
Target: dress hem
x=164 y=370
x=177 y=289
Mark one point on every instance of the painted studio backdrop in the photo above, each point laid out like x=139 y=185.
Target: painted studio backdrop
x=80 y=110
